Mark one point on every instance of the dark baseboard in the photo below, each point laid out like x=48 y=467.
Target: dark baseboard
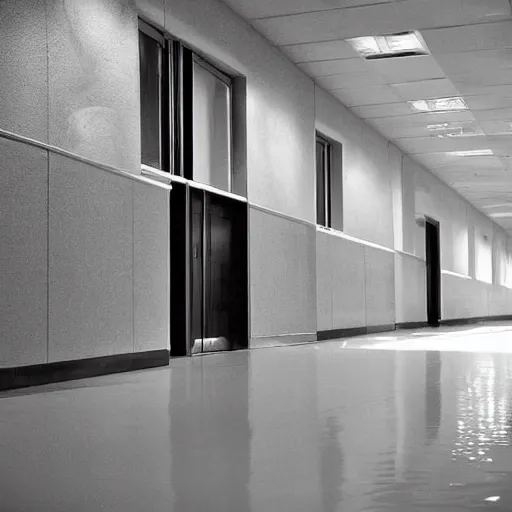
x=374 y=329
x=340 y=333
x=37 y=375
x=353 y=331
x=476 y=319
x=412 y=325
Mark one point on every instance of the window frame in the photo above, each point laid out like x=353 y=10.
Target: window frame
x=326 y=176
x=176 y=104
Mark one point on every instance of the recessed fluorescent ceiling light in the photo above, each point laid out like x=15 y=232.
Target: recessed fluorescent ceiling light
x=404 y=44
x=439 y=105
x=455 y=129
x=473 y=152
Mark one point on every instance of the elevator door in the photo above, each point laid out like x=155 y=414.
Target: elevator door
x=218 y=273
x=432 y=247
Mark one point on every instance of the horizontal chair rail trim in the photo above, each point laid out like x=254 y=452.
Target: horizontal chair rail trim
x=169 y=178
x=62 y=152
x=48 y=373
x=340 y=234
x=455 y=274
x=270 y=211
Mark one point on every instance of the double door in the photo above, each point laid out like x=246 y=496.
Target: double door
x=215 y=284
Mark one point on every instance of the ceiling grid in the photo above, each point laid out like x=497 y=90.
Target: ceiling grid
x=470 y=55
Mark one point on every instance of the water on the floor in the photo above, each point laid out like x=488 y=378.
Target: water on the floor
x=313 y=428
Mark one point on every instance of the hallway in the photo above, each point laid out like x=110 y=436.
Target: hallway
x=403 y=421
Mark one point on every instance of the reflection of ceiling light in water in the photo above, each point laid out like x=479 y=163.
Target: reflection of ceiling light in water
x=394 y=45
x=439 y=105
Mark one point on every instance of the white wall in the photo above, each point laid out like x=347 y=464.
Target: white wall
x=84 y=253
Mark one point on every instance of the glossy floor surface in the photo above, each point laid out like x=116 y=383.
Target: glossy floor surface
x=404 y=421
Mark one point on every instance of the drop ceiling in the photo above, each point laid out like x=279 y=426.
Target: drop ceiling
x=470 y=44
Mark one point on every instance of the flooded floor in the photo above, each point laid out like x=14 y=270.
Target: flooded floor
x=403 y=421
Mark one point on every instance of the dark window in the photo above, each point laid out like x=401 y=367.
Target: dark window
x=150 y=52
x=323 y=182
x=186 y=112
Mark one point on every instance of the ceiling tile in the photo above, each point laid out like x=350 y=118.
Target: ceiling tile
x=438 y=145
x=379 y=19
x=481 y=78
x=488 y=102
x=407 y=69
x=504 y=114
x=349 y=80
x=373 y=95
x=462 y=64
x=426 y=89
x=266 y=8
x=423 y=119
x=334 y=67
x=386 y=110
x=488 y=90
x=319 y=51
x=485 y=36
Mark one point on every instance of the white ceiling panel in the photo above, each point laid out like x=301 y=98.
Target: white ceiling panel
x=350 y=80
x=379 y=19
x=407 y=69
x=422 y=119
x=481 y=78
x=488 y=36
x=498 y=127
x=437 y=145
x=386 y=110
x=269 y=8
x=334 y=67
x=426 y=89
x=311 y=52
x=373 y=95
x=488 y=102
x=499 y=114
x=402 y=132
x=461 y=64
x=486 y=90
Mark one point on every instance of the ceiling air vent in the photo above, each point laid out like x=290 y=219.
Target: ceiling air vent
x=403 y=44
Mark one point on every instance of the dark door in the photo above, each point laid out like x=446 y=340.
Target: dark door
x=196 y=269
x=433 y=262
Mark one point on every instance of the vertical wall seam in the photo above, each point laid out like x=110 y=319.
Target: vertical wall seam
x=47 y=185
x=365 y=289
x=133 y=267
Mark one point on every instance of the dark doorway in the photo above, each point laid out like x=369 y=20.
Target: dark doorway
x=209 y=291
x=432 y=246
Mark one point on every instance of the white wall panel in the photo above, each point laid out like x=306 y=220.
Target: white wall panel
x=283 y=275
x=410 y=289
x=348 y=284
x=90 y=262
x=463 y=298
x=23 y=254
x=324 y=281
x=151 y=257
x=380 y=286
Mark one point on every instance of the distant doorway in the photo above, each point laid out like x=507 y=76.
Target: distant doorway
x=433 y=261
